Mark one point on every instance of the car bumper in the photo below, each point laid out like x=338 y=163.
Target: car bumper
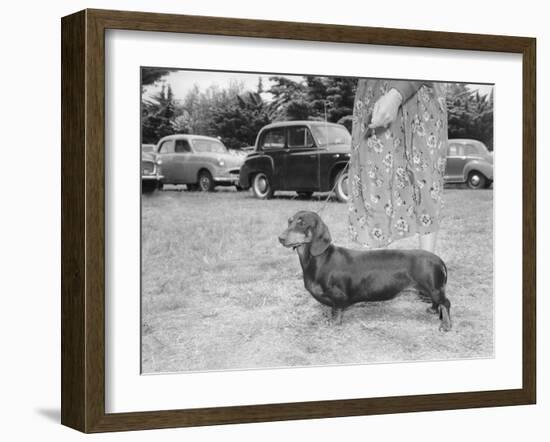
x=227 y=179
x=151 y=177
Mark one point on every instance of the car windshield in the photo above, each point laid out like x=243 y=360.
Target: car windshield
x=331 y=135
x=213 y=146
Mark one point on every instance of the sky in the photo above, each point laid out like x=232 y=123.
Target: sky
x=184 y=80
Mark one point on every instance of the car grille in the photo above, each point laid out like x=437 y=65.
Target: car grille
x=147 y=168
x=234 y=171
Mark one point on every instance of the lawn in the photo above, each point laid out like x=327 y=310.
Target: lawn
x=219 y=291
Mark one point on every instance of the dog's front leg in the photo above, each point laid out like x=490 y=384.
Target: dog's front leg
x=337 y=315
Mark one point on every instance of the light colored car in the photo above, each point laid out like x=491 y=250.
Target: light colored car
x=200 y=162
x=150 y=169
x=470 y=162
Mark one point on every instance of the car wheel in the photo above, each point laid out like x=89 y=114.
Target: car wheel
x=476 y=180
x=341 y=186
x=261 y=186
x=206 y=183
x=305 y=195
x=148 y=186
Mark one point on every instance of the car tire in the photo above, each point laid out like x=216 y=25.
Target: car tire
x=148 y=186
x=304 y=195
x=476 y=180
x=261 y=187
x=206 y=183
x=341 y=186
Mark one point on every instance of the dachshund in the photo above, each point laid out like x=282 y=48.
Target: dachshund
x=338 y=277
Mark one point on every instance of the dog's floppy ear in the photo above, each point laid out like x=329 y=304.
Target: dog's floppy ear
x=320 y=238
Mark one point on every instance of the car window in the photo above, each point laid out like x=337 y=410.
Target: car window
x=329 y=135
x=456 y=150
x=205 y=145
x=274 y=139
x=299 y=137
x=167 y=147
x=470 y=149
x=182 y=146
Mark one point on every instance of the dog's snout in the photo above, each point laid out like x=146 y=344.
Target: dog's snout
x=282 y=238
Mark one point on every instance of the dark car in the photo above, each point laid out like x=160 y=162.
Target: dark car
x=470 y=162
x=300 y=156
x=150 y=169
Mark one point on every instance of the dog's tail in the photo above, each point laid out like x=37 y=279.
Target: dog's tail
x=446 y=272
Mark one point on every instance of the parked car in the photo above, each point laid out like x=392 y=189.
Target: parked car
x=150 y=169
x=200 y=162
x=301 y=156
x=470 y=162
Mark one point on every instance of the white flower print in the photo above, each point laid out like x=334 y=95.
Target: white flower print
x=441 y=162
x=425 y=219
x=375 y=144
x=388 y=160
x=402 y=226
x=378 y=234
x=421 y=183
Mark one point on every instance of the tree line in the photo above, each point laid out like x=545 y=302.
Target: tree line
x=236 y=115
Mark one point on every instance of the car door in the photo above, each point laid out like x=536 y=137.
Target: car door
x=272 y=144
x=301 y=161
x=166 y=155
x=184 y=168
x=456 y=160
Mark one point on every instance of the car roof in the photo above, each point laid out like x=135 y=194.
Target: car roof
x=187 y=137
x=464 y=140
x=300 y=123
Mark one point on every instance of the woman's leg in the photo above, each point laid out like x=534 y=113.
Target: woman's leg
x=428 y=241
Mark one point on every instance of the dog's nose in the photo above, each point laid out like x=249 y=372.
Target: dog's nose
x=282 y=239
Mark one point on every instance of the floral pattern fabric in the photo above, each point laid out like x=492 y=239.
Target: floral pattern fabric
x=396 y=173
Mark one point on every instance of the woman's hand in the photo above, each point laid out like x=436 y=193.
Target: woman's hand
x=385 y=109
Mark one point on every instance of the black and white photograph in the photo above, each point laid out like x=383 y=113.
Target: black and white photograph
x=298 y=220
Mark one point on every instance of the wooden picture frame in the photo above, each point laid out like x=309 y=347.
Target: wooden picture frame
x=83 y=220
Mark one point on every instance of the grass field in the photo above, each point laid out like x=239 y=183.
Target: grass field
x=219 y=292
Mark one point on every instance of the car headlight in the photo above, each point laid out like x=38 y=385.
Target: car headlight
x=159 y=162
x=221 y=163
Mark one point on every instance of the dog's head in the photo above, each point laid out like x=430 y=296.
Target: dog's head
x=306 y=228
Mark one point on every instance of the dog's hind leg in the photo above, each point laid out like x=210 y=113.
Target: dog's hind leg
x=433 y=310
x=425 y=293
x=445 y=313
x=441 y=305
